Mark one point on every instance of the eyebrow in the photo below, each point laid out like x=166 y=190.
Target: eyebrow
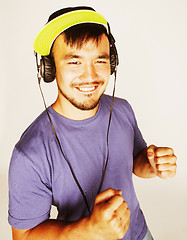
x=70 y=56
x=73 y=56
x=105 y=55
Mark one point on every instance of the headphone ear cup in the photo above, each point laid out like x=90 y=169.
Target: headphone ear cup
x=47 y=68
x=114 y=61
x=41 y=68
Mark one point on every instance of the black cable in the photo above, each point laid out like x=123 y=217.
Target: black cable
x=58 y=141
x=110 y=117
x=70 y=167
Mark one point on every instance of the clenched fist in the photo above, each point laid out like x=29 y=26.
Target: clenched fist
x=110 y=217
x=162 y=160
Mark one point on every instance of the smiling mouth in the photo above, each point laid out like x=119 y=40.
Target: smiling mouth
x=86 y=89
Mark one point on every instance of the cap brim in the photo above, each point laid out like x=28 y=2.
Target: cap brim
x=46 y=37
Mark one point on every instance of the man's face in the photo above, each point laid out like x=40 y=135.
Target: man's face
x=82 y=74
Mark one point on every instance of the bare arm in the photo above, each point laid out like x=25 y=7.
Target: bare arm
x=54 y=229
x=108 y=220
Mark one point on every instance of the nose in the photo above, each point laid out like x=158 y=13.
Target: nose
x=89 y=73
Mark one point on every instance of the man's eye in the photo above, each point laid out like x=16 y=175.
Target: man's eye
x=101 y=61
x=74 y=62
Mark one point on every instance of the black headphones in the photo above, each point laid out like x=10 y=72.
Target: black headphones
x=47 y=65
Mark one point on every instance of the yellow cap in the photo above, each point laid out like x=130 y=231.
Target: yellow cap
x=52 y=29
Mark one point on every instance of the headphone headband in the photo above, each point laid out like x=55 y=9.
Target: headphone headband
x=52 y=29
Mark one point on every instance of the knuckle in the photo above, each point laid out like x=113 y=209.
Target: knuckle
x=174 y=159
x=121 y=234
x=162 y=174
x=127 y=223
x=127 y=215
x=156 y=151
x=119 y=229
x=105 y=214
x=152 y=146
x=111 y=190
x=173 y=167
x=157 y=160
x=97 y=197
x=125 y=205
x=118 y=198
x=128 y=212
x=171 y=151
x=158 y=167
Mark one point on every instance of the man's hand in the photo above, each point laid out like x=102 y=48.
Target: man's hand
x=110 y=217
x=108 y=220
x=162 y=160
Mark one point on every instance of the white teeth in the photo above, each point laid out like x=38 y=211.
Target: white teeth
x=86 y=89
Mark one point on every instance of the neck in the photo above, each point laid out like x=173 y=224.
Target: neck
x=71 y=112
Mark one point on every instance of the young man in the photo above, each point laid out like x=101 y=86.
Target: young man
x=79 y=154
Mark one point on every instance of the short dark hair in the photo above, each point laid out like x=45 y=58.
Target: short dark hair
x=81 y=33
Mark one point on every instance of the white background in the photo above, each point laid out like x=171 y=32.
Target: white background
x=151 y=37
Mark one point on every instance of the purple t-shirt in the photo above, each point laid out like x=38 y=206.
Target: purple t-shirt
x=40 y=177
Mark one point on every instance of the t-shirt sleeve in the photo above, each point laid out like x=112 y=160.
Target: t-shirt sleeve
x=139 y=142
x=30 y=198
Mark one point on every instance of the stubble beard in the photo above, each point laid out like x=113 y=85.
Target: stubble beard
x=88 y=104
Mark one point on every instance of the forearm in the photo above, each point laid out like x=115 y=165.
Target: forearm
x=142 y=167
x=56 y=229
x=109 y=220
